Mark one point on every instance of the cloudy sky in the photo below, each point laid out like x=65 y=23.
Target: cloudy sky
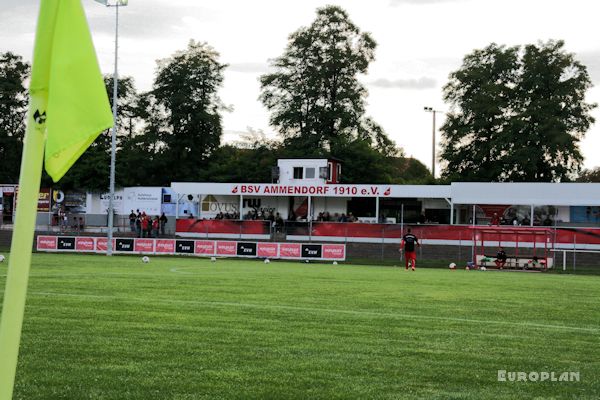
x=419 y=43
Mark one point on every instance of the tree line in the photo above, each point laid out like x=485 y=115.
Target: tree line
x=517 y=114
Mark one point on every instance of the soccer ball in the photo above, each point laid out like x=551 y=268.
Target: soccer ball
x=452 y=266
x=306 y=261
x=335 y=263
x=213 y=259
x=482 y=268
x=467 y=268
x=145 y=259
x=267 y=261
x=2 y=258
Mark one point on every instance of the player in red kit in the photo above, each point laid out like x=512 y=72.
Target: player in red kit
x=408 y=243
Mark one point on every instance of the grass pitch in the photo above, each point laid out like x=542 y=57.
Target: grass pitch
x=186 y=328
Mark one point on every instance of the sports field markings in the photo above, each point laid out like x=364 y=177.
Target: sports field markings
x=324 y=310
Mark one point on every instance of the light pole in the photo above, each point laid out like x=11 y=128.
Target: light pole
x=432 y=111
x=116 y=5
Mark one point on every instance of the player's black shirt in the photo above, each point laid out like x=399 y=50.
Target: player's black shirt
x=501 y=255
x=409 y=242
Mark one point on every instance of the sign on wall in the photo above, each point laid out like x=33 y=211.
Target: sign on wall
x=200 y=248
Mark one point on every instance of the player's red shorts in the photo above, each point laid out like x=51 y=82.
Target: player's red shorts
x=410 y=256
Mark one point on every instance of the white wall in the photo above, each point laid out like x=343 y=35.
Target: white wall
x=332 y=204
x=286 y=171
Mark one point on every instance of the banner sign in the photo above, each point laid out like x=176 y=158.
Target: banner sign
x=201 y=248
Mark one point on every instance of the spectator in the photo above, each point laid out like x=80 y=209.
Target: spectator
x=500 y=258
x=75 y=225
x=526 y=221
x=548 y=221
x=138 y=226
x=155 y=226
x=145 y=225
x=495 y=219
x=132 y=218
x=81 y=224
x=278 y=223
x=163 y=223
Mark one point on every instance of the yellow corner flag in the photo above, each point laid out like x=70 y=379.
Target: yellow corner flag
x=68 y=109
x=66 y=73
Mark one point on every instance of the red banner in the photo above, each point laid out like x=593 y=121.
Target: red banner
x=164 y=246
x=46 y=242
x=144 y=245
x=334 y=251
x=268 y=250
x=289 y=250
x=226 y=248
x=205 y=247
x=102 y=242
x=84 y=244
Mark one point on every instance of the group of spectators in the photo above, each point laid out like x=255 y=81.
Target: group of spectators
x=221 y=215
x=145 y=226
x=515 y=221
x=61 y=218
x=327 y=217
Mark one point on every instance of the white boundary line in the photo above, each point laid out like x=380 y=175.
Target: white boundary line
x=325 y=311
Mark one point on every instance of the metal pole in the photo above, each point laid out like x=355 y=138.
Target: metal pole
x=377 y=210
x=473 y=237
x=109 y=249
x=531 y=217
x=401 y=229
x=433 y=147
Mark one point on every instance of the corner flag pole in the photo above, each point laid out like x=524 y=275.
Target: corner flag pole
x=19 y=261
x=68 y=109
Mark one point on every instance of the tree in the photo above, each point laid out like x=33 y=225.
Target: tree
x=186 y=87
x=91 y=171
x=517 y=114
x=589 y=175
x=13 y=111
x=315 y=98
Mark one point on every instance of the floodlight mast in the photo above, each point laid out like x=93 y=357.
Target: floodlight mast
x=431 y=110
x=113 y=146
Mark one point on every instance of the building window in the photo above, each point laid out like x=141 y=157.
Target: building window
x=329 y=171
x=297 y=172
x=310 y=173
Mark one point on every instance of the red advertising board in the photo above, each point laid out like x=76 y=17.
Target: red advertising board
x=334 y=251
x=267 y=250
x=226 y=248
x=289 y=250
x=84 y=244
x=164 y=246
x=101 y=244
x=205 y=247
x=144 y=245
x=46 y=242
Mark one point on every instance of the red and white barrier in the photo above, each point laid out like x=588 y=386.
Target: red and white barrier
x=200 y=248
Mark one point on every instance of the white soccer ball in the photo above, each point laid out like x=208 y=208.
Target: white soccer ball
x=467 y=268
x=306 y=261
x=2 y=258
x=335 y=263
x=145 y=259
x=267 y=261
x=482 y=268
x=452 y=266
x=213 y=259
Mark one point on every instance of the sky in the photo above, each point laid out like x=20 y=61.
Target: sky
x=420 y=42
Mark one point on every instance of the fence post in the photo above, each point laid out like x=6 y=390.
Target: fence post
x=574 y=252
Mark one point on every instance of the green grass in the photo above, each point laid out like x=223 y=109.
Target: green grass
x=183 y=328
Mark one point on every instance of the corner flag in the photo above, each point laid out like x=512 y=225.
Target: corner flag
x=65 y=72
x=68 y=109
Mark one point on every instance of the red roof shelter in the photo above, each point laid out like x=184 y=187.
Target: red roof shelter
x=526 y=243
